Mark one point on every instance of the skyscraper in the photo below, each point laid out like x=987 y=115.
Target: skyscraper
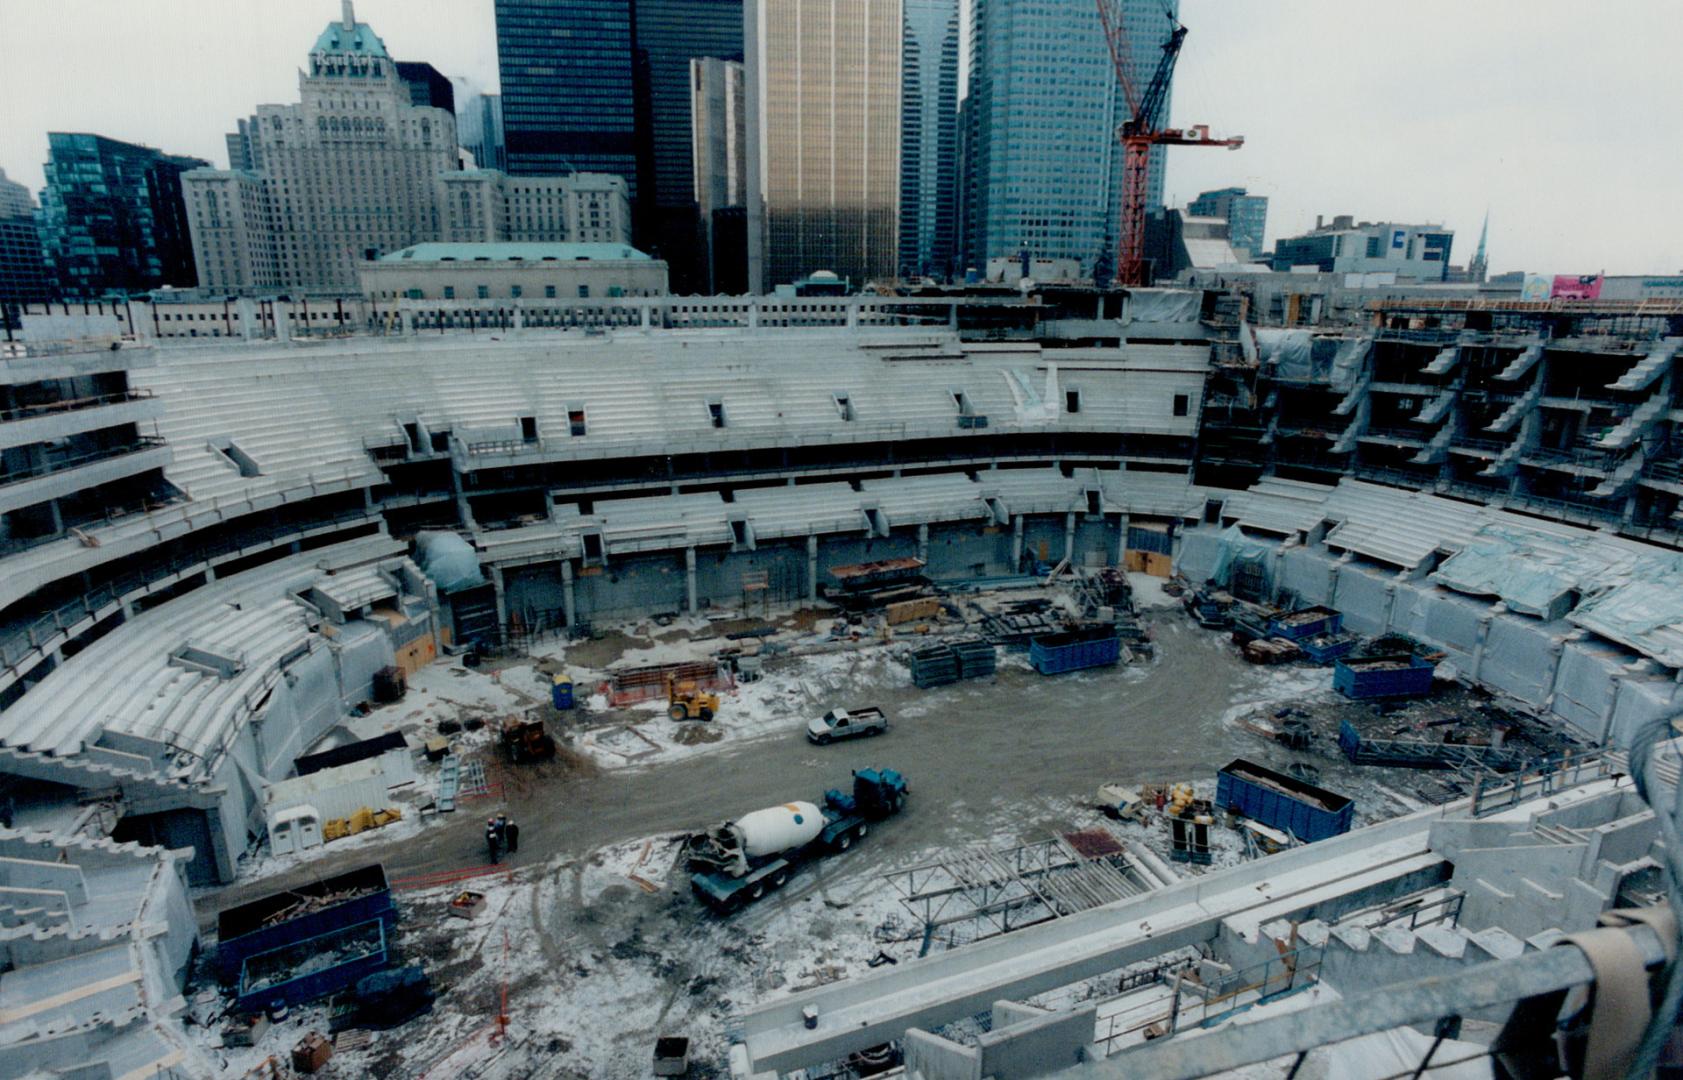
x=568 y=87
x=23 y=277
x=479 y=129
x=346 y=174
x=823 y=98
x=1246 y=216
x=670 y=33
x=112 y=217
x=720 y=154
x=1043 y=171
x=929 y=138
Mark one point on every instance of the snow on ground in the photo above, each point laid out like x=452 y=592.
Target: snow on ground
x=1148 y=591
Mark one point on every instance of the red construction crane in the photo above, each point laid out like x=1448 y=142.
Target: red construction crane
x=1143 y=131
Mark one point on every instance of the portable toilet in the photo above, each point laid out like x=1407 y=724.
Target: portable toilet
x=295 y=829
x=561 y=691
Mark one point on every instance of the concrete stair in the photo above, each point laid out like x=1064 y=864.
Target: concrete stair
x=1437 y=408
x=1436 y=448
x=1524 y=362
x=1359 y=957
x=1444 y=362
x=1638 y=423
x=1515 y=412
x=1357 y=394
x=1621 y=478
x=1506 y=462
x=1650 y=367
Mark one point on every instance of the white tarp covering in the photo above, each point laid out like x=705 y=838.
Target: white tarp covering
x=1164 y=305
x=1645 y=614
x=1289 y=352
x=1347 y=362
x=1238 y=549
x=448 y=560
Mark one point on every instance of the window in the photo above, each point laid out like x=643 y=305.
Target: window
x=575 y=420
x=549 y=292
x=413 y=294
x=529 y=428
x=1094 y=504
x=1182 y=403
x=514 y=291
x=844 y=405
x=716 y=413
x=1072 y=401
x=449 y=292
x=484 y=292
x=584 y=292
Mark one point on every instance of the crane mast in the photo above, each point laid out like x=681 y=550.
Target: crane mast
x=1140 y=132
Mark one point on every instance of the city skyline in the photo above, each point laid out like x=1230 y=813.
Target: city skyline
x=1499 y=104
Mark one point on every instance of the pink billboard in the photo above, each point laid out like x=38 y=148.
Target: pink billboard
x=1582 y=287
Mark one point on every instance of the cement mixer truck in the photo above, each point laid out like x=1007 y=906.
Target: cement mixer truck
x=737 y=862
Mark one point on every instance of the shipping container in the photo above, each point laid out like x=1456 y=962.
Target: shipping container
x=1053 y=654
x=1275 y=799
x=264 y=924
x=1382 y=676
x=304 y=971
x=1306 y=623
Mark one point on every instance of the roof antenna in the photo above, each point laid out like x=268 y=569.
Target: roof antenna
x=348 y=18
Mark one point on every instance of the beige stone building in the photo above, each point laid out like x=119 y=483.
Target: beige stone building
x=513 y=271
x=484 y=206
x=346 y=174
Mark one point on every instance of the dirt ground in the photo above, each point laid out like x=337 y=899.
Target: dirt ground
x=995 y=762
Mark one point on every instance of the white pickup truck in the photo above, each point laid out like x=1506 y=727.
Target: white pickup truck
x=846 y=723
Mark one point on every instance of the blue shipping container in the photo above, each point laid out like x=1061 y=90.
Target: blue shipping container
x=268 y=977
x=1307 y=623
x=1053 y=654
x=1282 y=802
x=1382 y=677
x=262 y=926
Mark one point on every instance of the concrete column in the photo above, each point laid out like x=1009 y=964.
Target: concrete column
x=1016 y=543
x=812 y=568
x=502 y=599
x=283 y=320
x=923 y=543
x=247 y=312
x=1069 y=537
x=1332 y=579
x=57 y=516
x=210 y=573
x=406 y=322
x=952 y=316
x=1612 y=705
x=689 y=579
x=647 y=313
x=548 y=505
x=853 y=312
x=568 y=603
x=517 y=319
x=1121 y=539
x=1556 y=653
x=1479 y=639
x=1390 y=605
x=753 y=314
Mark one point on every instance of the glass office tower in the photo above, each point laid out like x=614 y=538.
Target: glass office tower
x=929 y=139
x=1043 y=170
x=568 y=87
x=823 y=90
x=112 y=217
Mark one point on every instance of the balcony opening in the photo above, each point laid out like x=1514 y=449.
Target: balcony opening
x=716 y=413
x=1072 y=401
x=592 y=546
x=844 y=406
x=739 y=532
x=1095 y=502
x=575 y=421
x=529 y=429
x=239 y=459
x=1183 y=403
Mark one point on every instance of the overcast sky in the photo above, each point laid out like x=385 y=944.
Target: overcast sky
x=1561 y=116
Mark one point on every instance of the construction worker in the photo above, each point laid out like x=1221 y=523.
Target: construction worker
x=511 y=835
x=493 y=840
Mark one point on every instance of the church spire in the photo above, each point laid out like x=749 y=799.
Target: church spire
x=1477 y=268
